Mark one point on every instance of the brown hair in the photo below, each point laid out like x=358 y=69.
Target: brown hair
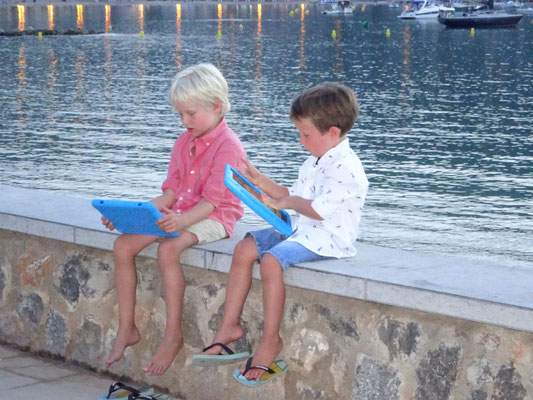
x=327 y=104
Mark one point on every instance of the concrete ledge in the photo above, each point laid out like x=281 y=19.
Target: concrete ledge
x=472 y=290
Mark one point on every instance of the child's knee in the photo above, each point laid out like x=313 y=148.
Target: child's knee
x=122 y=246
x=270 y=267
x=246 y=249
x=168 y=250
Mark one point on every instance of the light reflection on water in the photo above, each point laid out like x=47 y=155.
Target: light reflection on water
x=445 y=131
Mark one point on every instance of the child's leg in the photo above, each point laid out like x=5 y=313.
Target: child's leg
x=173 y=282
x=273 y=304
x=239 y=283
x=125 y=248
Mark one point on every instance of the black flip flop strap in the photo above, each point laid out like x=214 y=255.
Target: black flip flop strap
x=119 y=385
x=140 y=397
x=224 y=347
x=249 y=367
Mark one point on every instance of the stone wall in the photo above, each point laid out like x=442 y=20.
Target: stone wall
x=58 y=298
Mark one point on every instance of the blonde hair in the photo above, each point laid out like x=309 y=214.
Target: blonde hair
x=202 y=84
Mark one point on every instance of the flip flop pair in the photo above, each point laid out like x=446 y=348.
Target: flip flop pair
x=206 y=360
x=118 y=390
x=277 y=368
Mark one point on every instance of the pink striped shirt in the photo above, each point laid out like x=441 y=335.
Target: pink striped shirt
x=202 y=175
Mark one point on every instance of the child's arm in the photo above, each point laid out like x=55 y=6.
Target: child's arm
x=166 y=200
x=299 y=204
x=263 y=182
x=176 y=223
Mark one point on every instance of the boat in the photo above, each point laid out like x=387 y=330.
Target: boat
x=424 y=9
x=480 y=18
x=342 y=7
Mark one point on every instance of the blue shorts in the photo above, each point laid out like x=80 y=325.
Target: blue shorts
x=286 y=252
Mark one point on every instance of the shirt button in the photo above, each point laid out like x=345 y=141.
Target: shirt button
x=189 y=190
x=181 y=198
x=207 y=144
x=192 y=172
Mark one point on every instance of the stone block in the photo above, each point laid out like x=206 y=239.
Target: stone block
x=375 y=380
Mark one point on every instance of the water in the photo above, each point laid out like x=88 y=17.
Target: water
x=445 y=131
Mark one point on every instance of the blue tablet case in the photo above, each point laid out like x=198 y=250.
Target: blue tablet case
x=132 y=216
x=251 y=195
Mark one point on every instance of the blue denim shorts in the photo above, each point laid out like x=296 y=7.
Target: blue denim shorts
x=286 y=252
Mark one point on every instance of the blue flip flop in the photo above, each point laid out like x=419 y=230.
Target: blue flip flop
x=205 y=360
x=118 y=390
x=277 y=368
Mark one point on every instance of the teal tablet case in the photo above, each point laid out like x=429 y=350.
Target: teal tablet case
x=279 y=219
x=132 y=216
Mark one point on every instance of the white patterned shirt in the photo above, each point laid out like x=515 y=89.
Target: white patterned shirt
x=337 y=185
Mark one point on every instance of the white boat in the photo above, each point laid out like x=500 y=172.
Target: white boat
x=342 y=7
x=423 y=9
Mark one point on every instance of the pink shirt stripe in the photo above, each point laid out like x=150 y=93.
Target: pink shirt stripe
x=202 y=175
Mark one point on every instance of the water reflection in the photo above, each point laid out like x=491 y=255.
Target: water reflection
x=444 y=131
x=178 y=19
x=79 y=18
x=301 y=64
x=178 y=56
x=219 y=22
x=21 y=17
x=107 y=9
x=50 y=10
x=140 y=7
x=22 y=82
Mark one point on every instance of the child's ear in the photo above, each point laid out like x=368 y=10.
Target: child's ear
x=217 y=107
x=334 y=132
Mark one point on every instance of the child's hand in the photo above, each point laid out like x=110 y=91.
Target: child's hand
x=279 y=204
x=108 y=224
x=251 y=173
x=171 y=222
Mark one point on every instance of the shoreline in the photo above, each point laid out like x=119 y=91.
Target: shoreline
x=8 y=3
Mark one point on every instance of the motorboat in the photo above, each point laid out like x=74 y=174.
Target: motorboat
x=480 y=18
x=342 y=7
x=424 y=9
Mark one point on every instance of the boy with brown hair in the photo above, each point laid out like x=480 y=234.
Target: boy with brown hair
x=329 y=195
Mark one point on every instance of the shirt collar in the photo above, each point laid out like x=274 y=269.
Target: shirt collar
x=211 y=136
x=334 y=151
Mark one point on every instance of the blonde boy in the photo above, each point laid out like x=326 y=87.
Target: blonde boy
x=194 y=202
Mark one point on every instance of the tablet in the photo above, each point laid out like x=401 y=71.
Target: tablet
x=251 y=196
x=132 y=216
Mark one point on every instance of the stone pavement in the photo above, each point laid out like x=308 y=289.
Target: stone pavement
x=26 y=376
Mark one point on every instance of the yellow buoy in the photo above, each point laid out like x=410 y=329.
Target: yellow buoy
x=307 y=12
x=471 y=31
x=142 y=34
x=240 y=26
x=40 y=35
x=363 y=8
x=219 y=33
x=291 y=13
x=387 y=33
x=333 y=34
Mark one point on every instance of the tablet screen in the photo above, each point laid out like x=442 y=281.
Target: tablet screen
x=254 y=193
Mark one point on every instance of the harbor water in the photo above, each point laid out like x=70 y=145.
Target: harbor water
x=445 y=129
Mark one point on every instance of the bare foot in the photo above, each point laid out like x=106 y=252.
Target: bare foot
x=225 y=336
x=124 y=338
x=165 y=354
x=265 y=355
